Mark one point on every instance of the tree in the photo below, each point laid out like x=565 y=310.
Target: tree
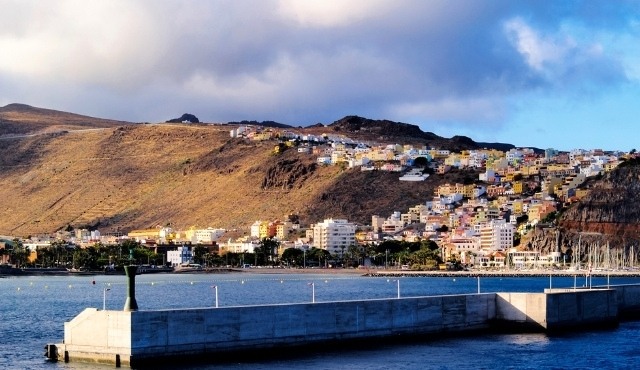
x=269 y=246
x=317 y=255
x=18 y=255
x=293 y=256
x=198 y=254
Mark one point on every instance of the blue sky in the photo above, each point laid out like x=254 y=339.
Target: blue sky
x=562 y=74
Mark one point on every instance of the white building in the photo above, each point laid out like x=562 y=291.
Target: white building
x=238 y=246
x=334 y=235
x=496 y=235
x=204 y=236
x=255 y=229
x=181 y=255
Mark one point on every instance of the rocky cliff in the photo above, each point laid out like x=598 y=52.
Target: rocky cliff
x=608 y=217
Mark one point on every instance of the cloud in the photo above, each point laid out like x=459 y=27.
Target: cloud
x=302 y=62
x=561 y=59
x=328 y=13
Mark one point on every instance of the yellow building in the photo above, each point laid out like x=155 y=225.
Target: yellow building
x=261 y=136
x=264 y=230
x=517 y=206
x=610 y=166
x=445 y=189
x=283 y=229
x=517 y=187
x=144 y=234
x=534 y=212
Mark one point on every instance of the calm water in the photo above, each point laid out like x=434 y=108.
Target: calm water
x=33 y=310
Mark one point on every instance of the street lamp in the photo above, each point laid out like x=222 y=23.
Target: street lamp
x=397 y=284
x=215 y=287
x=104 y=298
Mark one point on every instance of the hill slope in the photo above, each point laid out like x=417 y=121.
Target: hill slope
x=139 y=176
x=22 y=119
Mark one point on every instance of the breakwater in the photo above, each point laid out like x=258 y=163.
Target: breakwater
x=140 y=337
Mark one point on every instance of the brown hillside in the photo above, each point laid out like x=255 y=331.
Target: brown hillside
x=140 y=176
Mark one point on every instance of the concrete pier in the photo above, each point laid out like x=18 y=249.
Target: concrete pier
x=130 y=338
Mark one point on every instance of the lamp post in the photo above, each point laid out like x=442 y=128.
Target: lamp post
x=104 y=298
x=215 y=287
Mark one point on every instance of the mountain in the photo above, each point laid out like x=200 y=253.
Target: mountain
x=22 y=119
x=262 y=123
x=390 y=131
x=140 y=176
x=186 y=117
x=120 y=176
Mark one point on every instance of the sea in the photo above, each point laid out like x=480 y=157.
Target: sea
x=33 y=310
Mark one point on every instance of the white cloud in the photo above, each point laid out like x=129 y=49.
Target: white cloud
x=107 y=43
x=331 y=13
x=307 y=61
x=538 y=51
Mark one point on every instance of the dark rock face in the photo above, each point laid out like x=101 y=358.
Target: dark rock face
x=381 y=127
x=611 y=208
x=608 y=217
x=185 y=118
x=286 y=174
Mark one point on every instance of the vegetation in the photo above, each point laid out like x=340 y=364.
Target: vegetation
x=96 y=257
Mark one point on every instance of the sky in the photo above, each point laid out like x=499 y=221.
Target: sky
x=546 y=74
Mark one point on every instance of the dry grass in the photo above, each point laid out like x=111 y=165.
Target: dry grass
x=139 y=176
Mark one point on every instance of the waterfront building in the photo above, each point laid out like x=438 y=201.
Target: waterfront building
x=496 y=235
x=180 y=256
x=204 y=236
x=334 y=235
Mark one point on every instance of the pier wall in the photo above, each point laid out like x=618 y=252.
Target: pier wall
x=628 y=297
x=558 y=309
x=126 y=338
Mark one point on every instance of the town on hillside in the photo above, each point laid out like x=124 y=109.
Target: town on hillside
x=479 y=225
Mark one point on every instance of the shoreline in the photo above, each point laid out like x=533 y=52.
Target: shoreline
x=371 y=272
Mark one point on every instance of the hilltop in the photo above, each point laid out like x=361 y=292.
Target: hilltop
x=22 y=119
